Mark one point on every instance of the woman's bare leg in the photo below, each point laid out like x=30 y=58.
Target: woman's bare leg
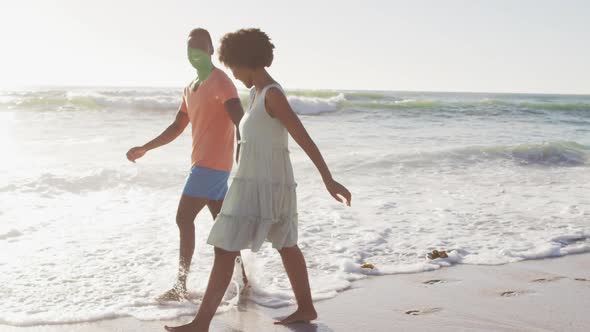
x=221 y=274
x=294 y=264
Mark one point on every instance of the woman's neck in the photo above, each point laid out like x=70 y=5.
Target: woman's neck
x=261 y=79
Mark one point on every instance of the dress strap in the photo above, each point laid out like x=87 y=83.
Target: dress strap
x=273 y=85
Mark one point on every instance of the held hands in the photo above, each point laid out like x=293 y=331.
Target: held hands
x=136 y=153
x=338 y=191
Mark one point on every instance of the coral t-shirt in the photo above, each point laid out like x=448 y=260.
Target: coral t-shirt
x=212 y=128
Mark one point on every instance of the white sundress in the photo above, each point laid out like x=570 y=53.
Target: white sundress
x=261 y=203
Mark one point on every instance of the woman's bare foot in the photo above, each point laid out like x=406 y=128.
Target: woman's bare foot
x=176 y=294
x=299 y=316
x=190 y=327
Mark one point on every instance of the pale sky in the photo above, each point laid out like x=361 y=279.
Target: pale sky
x=451 y=45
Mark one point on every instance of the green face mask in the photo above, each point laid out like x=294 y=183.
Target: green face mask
x=201 y=61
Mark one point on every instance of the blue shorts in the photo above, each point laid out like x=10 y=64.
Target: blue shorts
x=207 y=183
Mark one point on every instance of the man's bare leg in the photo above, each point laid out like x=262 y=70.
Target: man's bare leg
x=188 y=208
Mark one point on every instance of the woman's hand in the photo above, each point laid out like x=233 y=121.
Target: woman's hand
x=338 y=191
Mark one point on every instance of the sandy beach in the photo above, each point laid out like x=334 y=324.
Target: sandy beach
x=539 y=295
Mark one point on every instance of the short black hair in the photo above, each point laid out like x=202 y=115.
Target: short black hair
x=200 y=32
x=246 y=47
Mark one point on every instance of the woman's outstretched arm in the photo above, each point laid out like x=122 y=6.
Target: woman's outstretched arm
x=278 y=107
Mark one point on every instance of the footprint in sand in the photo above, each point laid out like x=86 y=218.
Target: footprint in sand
x=514 y=293
x=434 y=282
x=426 y=311
x=439 y=281
x=548 y=279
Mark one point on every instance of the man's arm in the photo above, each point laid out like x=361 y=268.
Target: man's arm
x=236 y=112
x=167 y=136
x=171 y=133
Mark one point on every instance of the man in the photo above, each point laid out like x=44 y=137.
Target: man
x=212 y=106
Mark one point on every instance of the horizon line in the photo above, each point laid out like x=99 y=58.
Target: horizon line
x=99 y=86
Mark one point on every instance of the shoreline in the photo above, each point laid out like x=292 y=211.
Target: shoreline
x=550 y=294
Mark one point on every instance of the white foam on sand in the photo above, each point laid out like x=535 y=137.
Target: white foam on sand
x=10 y=234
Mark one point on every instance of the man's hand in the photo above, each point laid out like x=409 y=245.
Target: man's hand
x=136 y=153
x=235 y=112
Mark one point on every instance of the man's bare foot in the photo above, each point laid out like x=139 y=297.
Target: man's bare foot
x=299 y=316
x=175 y=294
x=239 y=262
x=245 y=289
x=190 y=327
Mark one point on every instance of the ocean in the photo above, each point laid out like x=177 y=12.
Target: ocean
x=86 y=235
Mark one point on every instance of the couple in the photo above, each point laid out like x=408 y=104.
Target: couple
x=261 y=202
